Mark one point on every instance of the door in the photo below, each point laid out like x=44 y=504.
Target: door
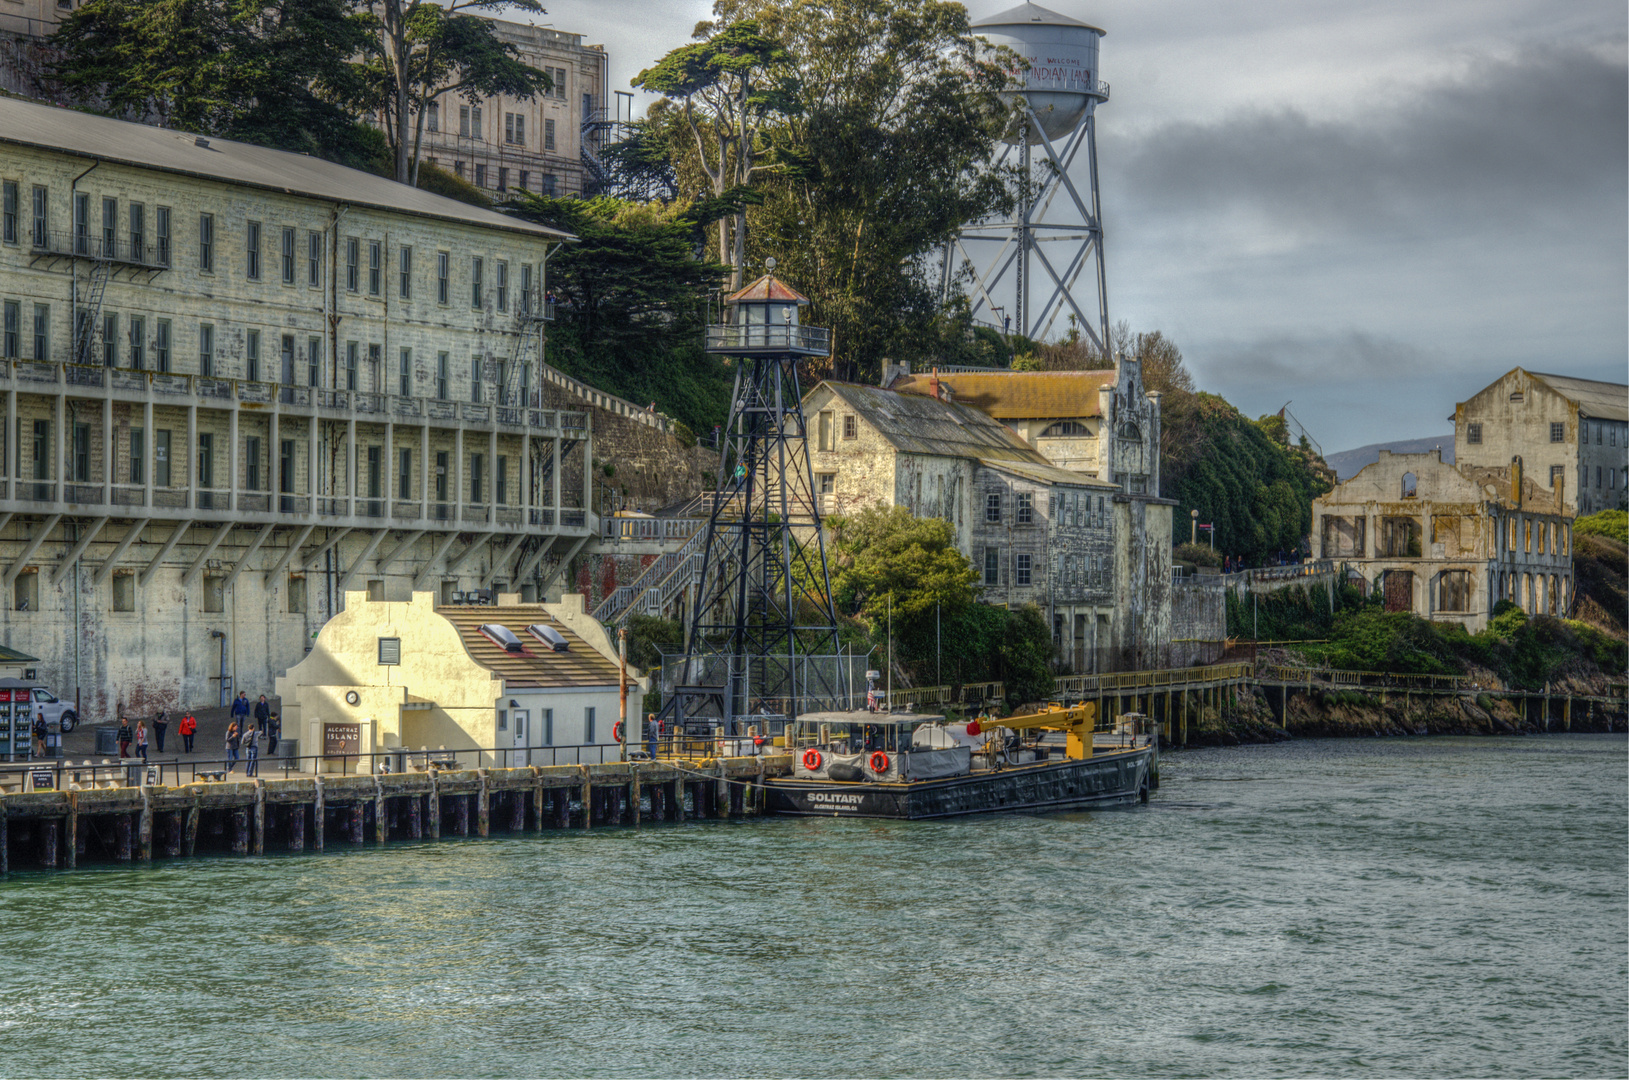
x=522 y=756
x=1399 y=590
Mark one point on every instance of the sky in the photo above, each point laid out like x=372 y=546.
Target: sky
x=1366 y=210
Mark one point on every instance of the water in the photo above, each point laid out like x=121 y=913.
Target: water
x=1432 y=907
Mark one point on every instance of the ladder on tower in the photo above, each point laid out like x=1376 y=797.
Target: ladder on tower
x=90 y=313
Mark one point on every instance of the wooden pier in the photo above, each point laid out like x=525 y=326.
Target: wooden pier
x=64 y=829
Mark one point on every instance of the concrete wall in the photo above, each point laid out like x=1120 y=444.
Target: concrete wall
x=1198 y=620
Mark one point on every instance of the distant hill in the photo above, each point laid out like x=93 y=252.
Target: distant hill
x=1347 y=463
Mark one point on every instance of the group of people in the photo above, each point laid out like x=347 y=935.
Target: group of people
x=243 y=738
x=137 y=735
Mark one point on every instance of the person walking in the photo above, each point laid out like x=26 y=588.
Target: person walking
x=251 y=750
x=262 y=713
x=653 y=731
x=189 y=728
x=141 y=740
x=274 y=731
x=125 y=736
x=234 y=739
x=161 y=724
x=41 y=729
x=240 y=710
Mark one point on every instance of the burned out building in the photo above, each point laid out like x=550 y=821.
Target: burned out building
x=1448 y=542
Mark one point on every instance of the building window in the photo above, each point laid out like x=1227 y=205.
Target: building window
x=823 y=430
x=458 y=169
x=1517 y=397
x=475 y=380
x=8 y=212
x=138 y=342
x=206 y=350
x=514 y=129
x=503 y=178
x=404 y=385
x=525 y=180
x=138 y=456
x=252 y=471
x=502 y=481
x=475 y=287
x=42 y=216
x=313 y=361
x=1026 y=508
x=503 y=285
x=1473 y=434
x=110 y=340
x=162 y=224
x=1454 y=591
x=992 y=506
x=313 y=259
x=480 y=174
x=251 y=245
x=138 y=231
x=851 y=426
x=433 y=120
x=463 y=121
x=390 y=650
x=547 y=185
x=25 y=595
x=251 y=349
x=214 y=592
x=285 y=468
x=1558 y=432
x=557 y=76
x=588 y=724
x=405 y=260
x=992 y=566
x=42 y=331
x=404 y=473
x=441 y=376
x=828 y=483
x=110 y=227
x=477 y=477
x=352 y=359
x=206 y=243
x=1021 y=565
x=81 y=454
x=161 y=457
x=161 y=345
x=548 y=134
x=523 y=303
x=353 y=264
x=14 y=317
x=124 y=591
x=443 y=276
x=1557 y=472
x=206 y=460
x=296 y=594
x=285 y=371
x=375 y=268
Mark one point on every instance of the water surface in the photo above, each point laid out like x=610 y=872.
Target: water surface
x=1429 y=907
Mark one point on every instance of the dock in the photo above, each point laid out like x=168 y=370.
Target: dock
x=121 y=824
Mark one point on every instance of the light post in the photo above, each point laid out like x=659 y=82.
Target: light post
x=1194 y=532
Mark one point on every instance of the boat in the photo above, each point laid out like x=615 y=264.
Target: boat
x=917 y=766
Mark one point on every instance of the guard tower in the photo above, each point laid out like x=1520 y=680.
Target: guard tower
x=763 y=605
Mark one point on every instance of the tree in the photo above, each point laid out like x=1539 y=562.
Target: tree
x=890 y=559
x=735 y=78
x=270 y=73
x=426 y=49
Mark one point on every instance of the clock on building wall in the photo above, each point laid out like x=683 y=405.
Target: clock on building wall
x=352 y=697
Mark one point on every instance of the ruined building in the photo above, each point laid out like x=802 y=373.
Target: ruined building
x=239 y=382
x=1448 y=542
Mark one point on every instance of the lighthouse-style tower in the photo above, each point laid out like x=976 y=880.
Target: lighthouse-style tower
x=762 y=610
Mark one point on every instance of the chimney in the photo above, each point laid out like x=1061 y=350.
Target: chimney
x=892 y=371
x=936 y=395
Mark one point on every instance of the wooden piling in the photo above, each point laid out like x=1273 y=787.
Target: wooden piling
x=483 y=805
x=175 y=828
x=415 y=823
x=122 y=830
x=144 y=827
x=634 y=796
x=319 y=811
x=192 y=825
x=433 y=804
x=296 y=827
x=5 y=840
x=381 y=813
x=517 y=811
x=70 y=829
x=45 y=836
x=738 y=801
x=588 y=802
x=537 y=796
x=359 y=811
x=240 y=830
x=258 y=841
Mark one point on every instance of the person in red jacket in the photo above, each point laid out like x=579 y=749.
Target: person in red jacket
x=188 y=728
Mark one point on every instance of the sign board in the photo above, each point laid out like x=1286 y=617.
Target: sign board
x=44 y=779
x=338 y=739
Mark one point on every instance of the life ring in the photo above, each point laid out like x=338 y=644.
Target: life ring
x=616 y=731
x=879 y=762
x=811 y=759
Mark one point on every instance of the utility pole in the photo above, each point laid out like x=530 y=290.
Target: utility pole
x=1193 y=538
x=622 y=687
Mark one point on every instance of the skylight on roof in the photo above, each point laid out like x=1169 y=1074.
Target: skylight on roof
x=503 y=637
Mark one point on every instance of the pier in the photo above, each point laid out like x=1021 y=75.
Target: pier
x=45 y=829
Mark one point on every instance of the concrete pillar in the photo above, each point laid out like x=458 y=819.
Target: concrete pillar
x=259 y=840
x=319 y=812
x=193 y=814
x=483 y=806
x=296 y=827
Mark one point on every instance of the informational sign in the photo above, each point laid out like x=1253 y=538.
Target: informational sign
x=340 y=739
x=44 y=779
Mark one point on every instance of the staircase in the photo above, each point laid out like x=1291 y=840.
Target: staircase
x=652 y=591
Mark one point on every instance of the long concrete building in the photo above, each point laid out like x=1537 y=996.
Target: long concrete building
x=239 y=382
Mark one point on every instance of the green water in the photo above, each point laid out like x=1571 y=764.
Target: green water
x=1441 y=907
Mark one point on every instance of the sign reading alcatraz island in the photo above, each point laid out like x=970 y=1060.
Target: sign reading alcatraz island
x=338 y=739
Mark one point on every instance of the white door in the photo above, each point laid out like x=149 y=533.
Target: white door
x=522 y=756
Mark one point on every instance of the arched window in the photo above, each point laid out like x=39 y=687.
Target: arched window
x=1065 y=429
x=1410 y=482
x=1128 y=430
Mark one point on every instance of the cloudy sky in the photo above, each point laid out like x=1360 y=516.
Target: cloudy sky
x=1367 y=209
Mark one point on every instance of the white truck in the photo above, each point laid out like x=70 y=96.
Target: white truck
x=56 y=712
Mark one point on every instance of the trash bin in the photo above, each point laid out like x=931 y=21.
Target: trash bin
x=107 y=740
x=289 y=748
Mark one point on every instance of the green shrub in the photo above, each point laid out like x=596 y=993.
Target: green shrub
x=1613 y=524
x=1196 y=555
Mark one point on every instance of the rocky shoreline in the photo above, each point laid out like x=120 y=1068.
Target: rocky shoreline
x=1348 y=714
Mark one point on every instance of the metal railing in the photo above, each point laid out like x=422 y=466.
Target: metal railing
x=633 y=528
x=93 y=244
x=1381 y=680
x=748 y=338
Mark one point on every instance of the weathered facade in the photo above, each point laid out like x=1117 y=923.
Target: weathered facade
x=416 y=674
x=1448 y=542
x=1076 y=546
x=549 y=144
x=1570 y=435
x=239 y=382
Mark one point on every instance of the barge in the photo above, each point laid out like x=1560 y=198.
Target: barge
x=919 y=767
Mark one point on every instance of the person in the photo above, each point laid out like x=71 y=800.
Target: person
x=652 y=731
x=141 y=740
x=262 y=713
x=233 y=741
x=274 y=731
x=161 y=724
x=189 y=728
x=240 y=710
x=251 y=748
x=40 y=731
x=124 y=736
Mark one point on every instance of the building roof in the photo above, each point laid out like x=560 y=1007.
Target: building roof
x=12 y=656
x=1046 y=473
x=1597 y=400
x=1031 y=14
x=68 y=131
x=535 y=667
x=1019 y=395
x=769 y=287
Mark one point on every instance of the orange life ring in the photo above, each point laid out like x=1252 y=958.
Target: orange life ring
x=811 y=759
x=879 y=762
x=616 y=731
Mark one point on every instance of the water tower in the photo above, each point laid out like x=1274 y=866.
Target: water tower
x=1026 y=267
